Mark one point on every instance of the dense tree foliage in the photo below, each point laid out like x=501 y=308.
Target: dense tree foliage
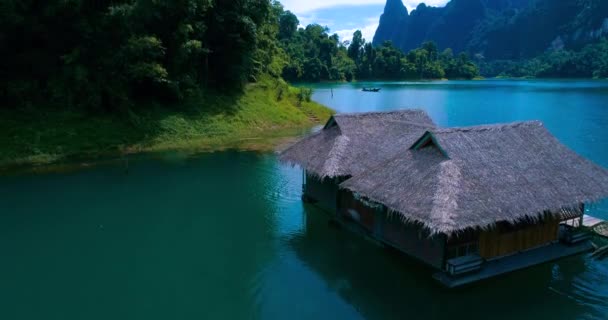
x=114 y=55
x=314 y=55
x=107 y=54
x=589 y=62
x=388 y=62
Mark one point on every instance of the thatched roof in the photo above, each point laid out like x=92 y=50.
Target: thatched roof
x=350 y=144
x=459 y=178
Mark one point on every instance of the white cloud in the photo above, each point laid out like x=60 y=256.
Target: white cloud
x=368 y=31
x=306 y=19
x=412 y=4
x=348 y=19
x=300 y=6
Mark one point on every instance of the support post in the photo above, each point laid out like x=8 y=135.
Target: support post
x=582 y=219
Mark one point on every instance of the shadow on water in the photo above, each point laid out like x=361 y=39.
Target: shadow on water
x=383 y=284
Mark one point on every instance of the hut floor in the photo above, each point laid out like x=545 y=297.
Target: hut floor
x=590 y=222
x=599 y=226
x=515 y=262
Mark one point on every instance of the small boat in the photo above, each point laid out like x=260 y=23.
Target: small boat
x=371 y=89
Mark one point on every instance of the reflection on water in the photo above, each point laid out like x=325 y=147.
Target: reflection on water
x=381 y=284
x=225 y=236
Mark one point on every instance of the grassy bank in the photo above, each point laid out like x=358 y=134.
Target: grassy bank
x=256 y=119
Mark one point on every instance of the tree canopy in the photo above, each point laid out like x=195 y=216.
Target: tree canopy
x=589 y=62
x=110 y=56
x=107 y=54
x=315 y=55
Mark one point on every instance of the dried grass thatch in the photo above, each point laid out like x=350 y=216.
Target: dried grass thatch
x=350 y=144
x=460 y=178
x=451 y=179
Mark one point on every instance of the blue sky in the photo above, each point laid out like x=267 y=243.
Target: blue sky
x=346 y=16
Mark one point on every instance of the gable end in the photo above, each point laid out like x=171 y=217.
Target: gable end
x=428 y=140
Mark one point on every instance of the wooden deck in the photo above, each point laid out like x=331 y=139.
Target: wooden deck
x=590 y=222
x=599 y=226
x=515 y=262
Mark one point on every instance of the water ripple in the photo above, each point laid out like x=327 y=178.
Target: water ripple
x=587 y=286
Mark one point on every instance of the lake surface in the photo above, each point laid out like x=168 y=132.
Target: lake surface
x=225 y=235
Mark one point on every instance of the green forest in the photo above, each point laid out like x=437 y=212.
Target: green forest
x=113 y=55
x=94 y=78
x=589 y=62
x=315 y=55
x=100 y=77
x=105 y=55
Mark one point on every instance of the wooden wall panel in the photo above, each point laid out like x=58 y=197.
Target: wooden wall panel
x=414 y=241
x=365 y=216
x=494 y=243
x=408 y=238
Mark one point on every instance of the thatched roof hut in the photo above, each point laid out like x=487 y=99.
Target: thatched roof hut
x=471 y=202
x=350 y=144
x=459 y=178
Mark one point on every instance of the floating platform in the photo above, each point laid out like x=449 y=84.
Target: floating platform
x=515 y=262
x=590 y=222
x=597 y=225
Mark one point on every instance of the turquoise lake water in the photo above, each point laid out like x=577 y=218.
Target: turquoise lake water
x=225 y=235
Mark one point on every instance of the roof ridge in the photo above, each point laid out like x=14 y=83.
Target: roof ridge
x=357 y=114
x=416 y=124
x=489 y=127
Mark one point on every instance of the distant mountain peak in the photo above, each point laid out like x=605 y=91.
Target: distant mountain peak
x=496 y=29
x=394 y=17
x=395 y=7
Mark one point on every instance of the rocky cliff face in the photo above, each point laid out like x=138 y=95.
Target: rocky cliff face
x=392 y=22
x=496 y=29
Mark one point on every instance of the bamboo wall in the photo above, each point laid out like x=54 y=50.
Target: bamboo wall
x=497 y=242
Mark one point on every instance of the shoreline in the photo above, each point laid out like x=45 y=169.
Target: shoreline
x=265 y=115
x=480 y=78
x=263 y=143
